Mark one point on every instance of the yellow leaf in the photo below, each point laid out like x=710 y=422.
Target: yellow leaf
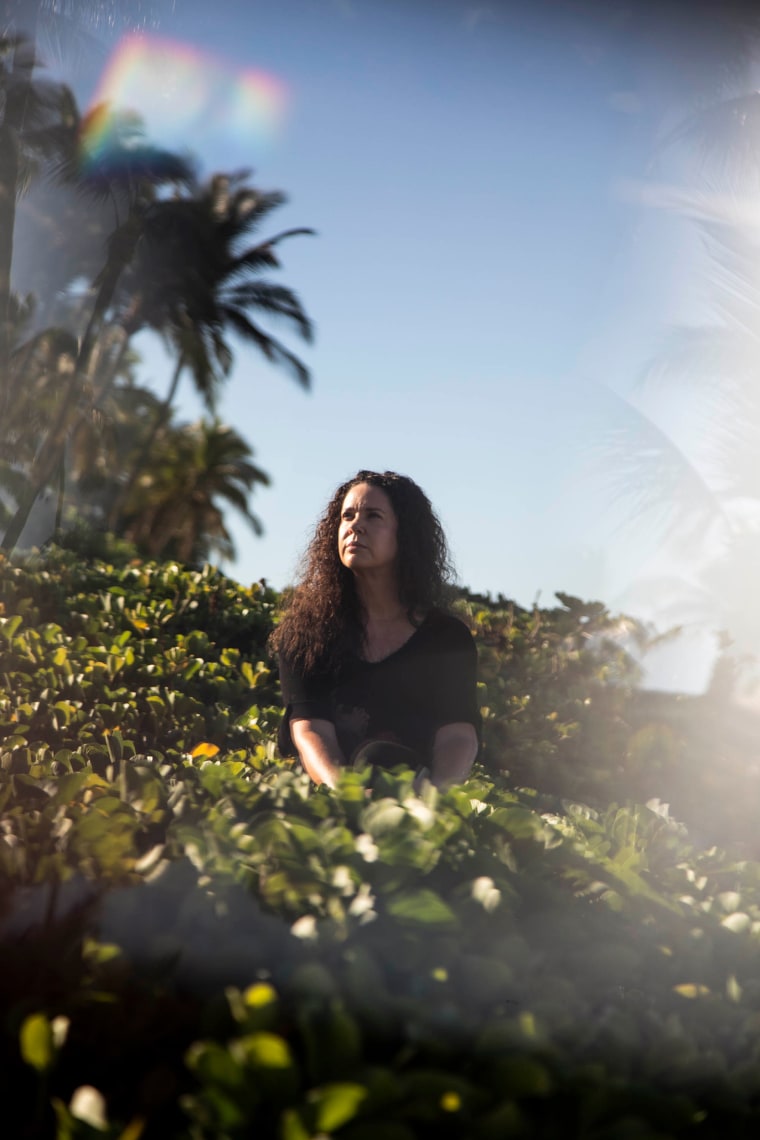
x=36 y=1041
x=265 y=1050
x=691 y=990
x=205 y=749
x=451 y=1102
x=259 y=994
x=733 y=989
x=336 y=1104
x=527 y=1023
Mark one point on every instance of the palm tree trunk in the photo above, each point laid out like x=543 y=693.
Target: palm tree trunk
x=70 y=417
x=161 y=419
x=9 y=144
x=61 y=498
x=112 y=369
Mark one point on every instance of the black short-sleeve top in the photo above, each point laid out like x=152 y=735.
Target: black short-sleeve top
x=406 y=697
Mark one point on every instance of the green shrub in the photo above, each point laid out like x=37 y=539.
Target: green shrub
x=196 y=942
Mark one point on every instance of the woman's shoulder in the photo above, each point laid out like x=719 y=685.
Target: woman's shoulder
x=448 y=628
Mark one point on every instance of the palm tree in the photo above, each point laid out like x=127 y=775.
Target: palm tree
x=37 y=121
x=195 y=279
x=176 y=508
x=708 y=496
x=132 y=189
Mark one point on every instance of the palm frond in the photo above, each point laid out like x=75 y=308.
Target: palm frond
x=735 y=446
x=262 y=255
x=249 y=206
x=278 y=300
x=708 y=355
x=652 y=479
x=268 y=345
x=725 y=135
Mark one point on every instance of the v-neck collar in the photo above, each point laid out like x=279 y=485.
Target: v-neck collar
x=402 y=647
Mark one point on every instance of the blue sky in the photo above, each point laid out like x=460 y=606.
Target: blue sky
x=484 y=290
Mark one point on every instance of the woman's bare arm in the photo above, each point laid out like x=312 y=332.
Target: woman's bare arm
x=317 y=745
x=454 y=751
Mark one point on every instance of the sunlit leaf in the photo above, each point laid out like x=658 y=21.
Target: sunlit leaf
x=88 y=1105
x=259 y=994
x=266 y=1050
x=691 y=989
x=205 y=749
x=36 y=1042
x=336 y=1104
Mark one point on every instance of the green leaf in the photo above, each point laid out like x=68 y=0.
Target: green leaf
x=133 y=1130
x=259 y=994
x=8 y=626
x=523 y=1077
x=265 y=1050
x=423 y=907
x=383 y=816
x=518 y=821
x=36 y=1042
x=292 y=1127
x=214 y=1065
x=336 y=1104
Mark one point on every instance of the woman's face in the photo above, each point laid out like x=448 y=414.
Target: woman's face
x=367 y=533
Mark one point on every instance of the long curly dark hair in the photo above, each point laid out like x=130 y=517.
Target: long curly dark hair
x=324 y=618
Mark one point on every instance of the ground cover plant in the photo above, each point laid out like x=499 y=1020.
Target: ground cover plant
x=195 y=942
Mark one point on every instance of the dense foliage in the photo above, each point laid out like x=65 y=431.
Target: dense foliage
x=195 y=942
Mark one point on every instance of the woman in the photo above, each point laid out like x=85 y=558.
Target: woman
x=372 y=669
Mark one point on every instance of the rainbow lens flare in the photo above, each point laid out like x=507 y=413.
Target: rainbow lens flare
x=186 y=97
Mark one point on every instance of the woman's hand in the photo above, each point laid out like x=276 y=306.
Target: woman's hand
x=454 y=751
x=317 y=745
